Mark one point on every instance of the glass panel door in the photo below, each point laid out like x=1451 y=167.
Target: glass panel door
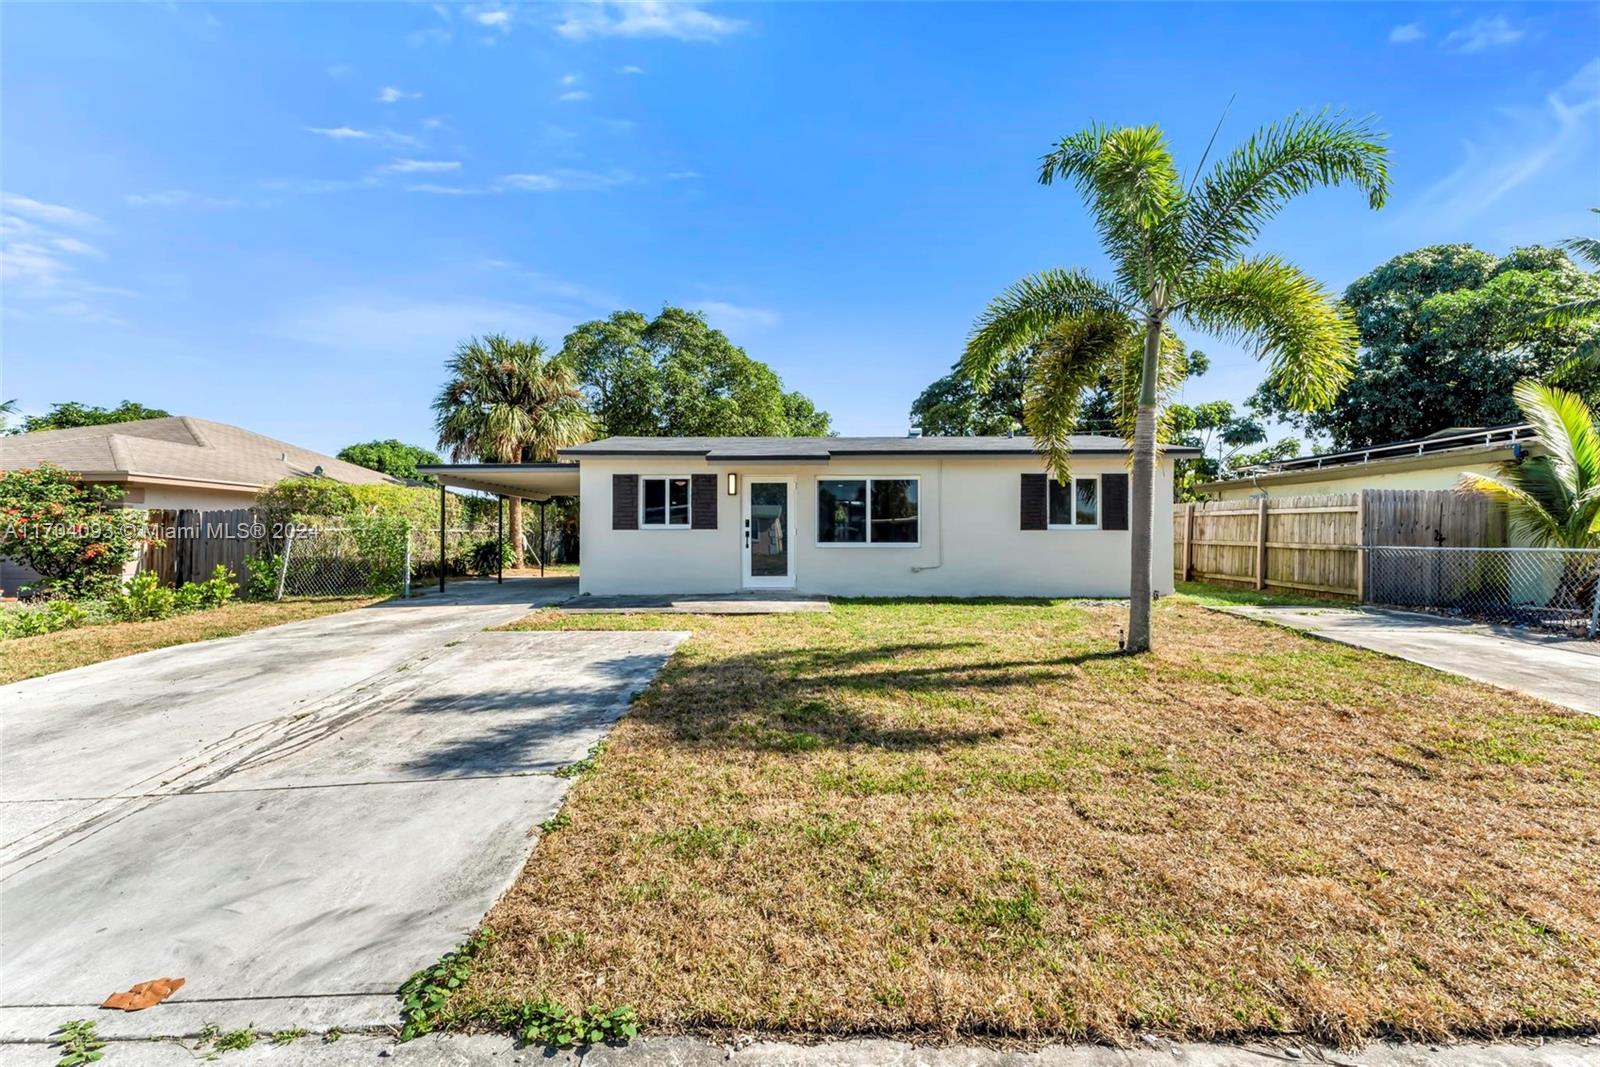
x=768 y=534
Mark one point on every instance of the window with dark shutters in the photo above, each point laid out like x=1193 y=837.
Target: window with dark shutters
x=1113 y=502
x=624 y=501
x=1035 y=514
x=703 y=501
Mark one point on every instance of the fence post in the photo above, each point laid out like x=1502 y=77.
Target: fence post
x=1361 y=546
x=1261 y=545
x=1594 y=611
x=283 y=568
x=405 y=582
x=1188 y=542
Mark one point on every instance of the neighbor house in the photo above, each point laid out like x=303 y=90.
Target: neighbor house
x=1432 y=462
x=845 y=516
x=171 y=463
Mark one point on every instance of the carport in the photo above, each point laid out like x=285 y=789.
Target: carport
x=541 y=482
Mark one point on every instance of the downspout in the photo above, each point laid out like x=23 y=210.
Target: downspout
x=939 y=523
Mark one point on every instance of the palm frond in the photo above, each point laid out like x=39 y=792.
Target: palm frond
x=1279 y=162
x=1566 y=430
x=1585 y=248
x=1131 y=186
x=1526 y=519
x=1028 y=310
x=1307 y=337
x=1068 y=360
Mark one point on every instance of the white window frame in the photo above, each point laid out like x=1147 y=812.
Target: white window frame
x=869 y=479
x=666 y=489
x=1072 y=498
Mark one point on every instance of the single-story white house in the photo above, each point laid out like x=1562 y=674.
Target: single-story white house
x=844 y=516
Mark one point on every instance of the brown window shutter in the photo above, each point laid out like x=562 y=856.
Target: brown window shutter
x=1113 y=501
x=1035 y=488
x=624 y=501
x=702 y=501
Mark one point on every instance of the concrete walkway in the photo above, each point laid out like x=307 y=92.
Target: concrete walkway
x=294 y=819
x=1561 y=670
x=489 y=1051
x=767 y=602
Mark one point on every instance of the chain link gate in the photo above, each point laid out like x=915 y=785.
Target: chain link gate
x=1551 y=588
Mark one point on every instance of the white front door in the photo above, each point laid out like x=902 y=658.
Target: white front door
x=769 y=533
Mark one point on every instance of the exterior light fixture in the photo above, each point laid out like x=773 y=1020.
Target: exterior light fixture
x=733 y=484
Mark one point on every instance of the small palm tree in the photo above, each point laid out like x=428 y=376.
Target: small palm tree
x=507 y=402
x=1177 y=253
x=1552 y=500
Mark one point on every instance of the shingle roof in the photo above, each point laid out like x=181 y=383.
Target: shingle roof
x=823 y=448
x=178 y=448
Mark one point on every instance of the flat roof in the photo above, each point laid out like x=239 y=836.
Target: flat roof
x=822 y=449
x=1438 y=450
x=531 y=481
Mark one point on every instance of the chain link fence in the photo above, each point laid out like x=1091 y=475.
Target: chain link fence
x=1550 y=588
x=352 y=557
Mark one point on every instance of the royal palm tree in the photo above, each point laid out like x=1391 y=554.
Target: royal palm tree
x=1551 y=500
x=1177 y=254
x=507 y=402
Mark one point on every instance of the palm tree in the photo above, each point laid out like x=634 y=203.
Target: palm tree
x=1177 y=253
x=1552 y=500
x=507 y=402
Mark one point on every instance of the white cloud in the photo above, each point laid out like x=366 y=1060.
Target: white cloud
x=340 y=133
x=551 y=181
x=74 y=247
x=341 y=70
x=444 y=190
x=1517 y=148
x=1406 y=34
x=1483 y=33
x=644 y=18
x=432 y=124
x=682 y=175
x=569 y=79
x=391 y=95
x=164 y=198
x=574 y=95
x=725 y=316
x=630 y=69
x=44 y=212
x=497 y=18
x=422 y=166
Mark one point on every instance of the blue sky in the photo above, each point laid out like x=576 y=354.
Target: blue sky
x=284 y=216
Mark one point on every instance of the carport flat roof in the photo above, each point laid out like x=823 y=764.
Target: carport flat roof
x=531 y=481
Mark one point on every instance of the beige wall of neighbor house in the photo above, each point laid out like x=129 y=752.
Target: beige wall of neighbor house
x=970 y=537
x=1286 y=485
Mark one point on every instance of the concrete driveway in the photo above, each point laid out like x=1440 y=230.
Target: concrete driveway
x=1558 y=669
x=295 y=819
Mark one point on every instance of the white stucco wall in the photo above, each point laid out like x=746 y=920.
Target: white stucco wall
x=970 y=536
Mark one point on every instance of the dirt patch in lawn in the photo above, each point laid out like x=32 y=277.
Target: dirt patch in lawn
x=29 y=657
x=969 y=819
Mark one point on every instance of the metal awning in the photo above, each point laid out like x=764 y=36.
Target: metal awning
x=530 y=481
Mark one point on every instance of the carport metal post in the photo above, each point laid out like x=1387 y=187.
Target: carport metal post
x=500 y=539
x=542 y=541
x=441 y=537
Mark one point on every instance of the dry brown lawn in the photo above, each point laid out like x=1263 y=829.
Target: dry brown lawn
x=29 y=657
x=978 y=820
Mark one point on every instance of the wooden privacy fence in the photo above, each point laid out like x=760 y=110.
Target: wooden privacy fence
x=1316 y=543
x=187 y=545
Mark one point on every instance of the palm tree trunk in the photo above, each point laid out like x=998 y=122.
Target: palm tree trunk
x=1141 y=516
x=515 y=524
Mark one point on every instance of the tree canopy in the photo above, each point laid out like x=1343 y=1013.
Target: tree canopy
x=1446 y=333
x=66 y=415
x=675 y=375
x=391 y=457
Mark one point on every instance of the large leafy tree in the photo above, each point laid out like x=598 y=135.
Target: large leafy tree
x=1551 y=500
x=391 y=457
x=1446 y=333
x=506 y=401
x=676 y=375
x=1178 y=253
x=1580 y=310
x=67 y=415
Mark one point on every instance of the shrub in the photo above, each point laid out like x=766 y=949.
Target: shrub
x=263 y=581
x=67 y=531
x=47 y=619
x=144 y=598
